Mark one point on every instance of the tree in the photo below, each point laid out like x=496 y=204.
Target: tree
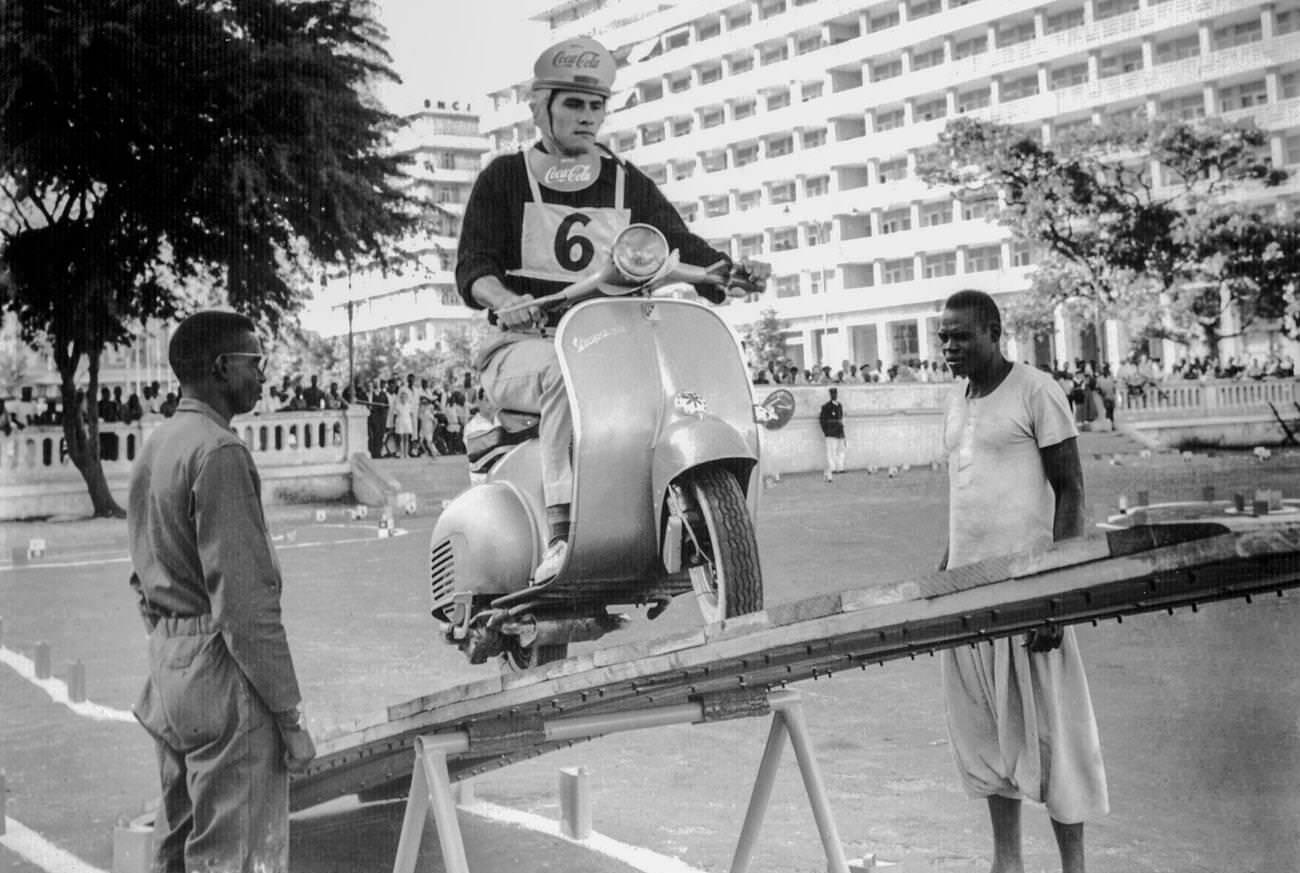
x=1171 y=250
x=765 y=341
x=151 y=145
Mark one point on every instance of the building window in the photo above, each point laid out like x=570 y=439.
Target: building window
x=744 y=110
x=779 y=100
x=1289 y=84
x=811 y=139
x=817 y=186
x=1067 y=77
x=1243 y=96
x=657 y=174
x=936 y=214
x=683 y=170
x=1124 y=62
x=1063 y=129
x=901 y=270
x=711 y=118
x=767 y=10
x=742 y=19
x=785 y=239
x=746 y=154
x=819 y=233
x=983 y=259
x=971 y=100
x=893 y=170
x=709 y=75
x=889 y=120
x=708 y=30
x=1016 y=89
x=1186 y=108
x=781 y=192
x=751 y=245
x=682 y=126
x=716 y=206
x=1064 y=20
x=1287 y=20
x=774 y=54
x=676 y=40
x=714 y=162
x=742 y=64
x=881 y=22
x=922 y=8
x=1022 y=254
x=1111 y=8
x=779 y=147
x=811 y=91
x=1240 y=33
x=688 y=211
x=886 y=70
x=787 y=286
x=1016 y=32
x=966 y=48
x=930 y=110
x=749 y=200
x=977 y=209
x=922 y=60
x=808 y=44
x=896 y=222
x=652 y=134
x=1291 y=147
x=680 y=84
x=1176 y=49
x=940 y=264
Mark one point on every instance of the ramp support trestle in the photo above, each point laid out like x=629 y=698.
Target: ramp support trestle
x=431 y=783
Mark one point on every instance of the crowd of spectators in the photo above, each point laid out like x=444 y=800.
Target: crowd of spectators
x=850 y=373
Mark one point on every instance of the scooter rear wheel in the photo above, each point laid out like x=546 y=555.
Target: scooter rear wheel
x=725 y=573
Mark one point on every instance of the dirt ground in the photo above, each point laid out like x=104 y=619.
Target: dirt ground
x=1199 y=712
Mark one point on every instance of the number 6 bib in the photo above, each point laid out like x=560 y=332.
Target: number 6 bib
x=565 y=243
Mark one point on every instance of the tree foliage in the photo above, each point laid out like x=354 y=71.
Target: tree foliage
x=765 y=340
x=151 y=145
x=1171 y=249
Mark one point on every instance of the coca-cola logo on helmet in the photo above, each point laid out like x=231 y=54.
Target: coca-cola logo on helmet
x=576 y=59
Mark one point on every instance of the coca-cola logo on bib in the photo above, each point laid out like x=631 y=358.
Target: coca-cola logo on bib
x=570 y=174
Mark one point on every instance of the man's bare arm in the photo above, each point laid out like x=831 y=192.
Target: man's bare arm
x=1065 y=474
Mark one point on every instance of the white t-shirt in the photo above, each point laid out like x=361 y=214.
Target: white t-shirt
x=999 y=498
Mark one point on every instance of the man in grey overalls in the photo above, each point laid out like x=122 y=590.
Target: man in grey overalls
x=222 y=698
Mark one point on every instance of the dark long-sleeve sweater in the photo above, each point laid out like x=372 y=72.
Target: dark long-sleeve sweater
x=490 y=234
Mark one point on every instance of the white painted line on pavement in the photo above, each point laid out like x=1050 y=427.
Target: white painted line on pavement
x=646 y=860
x=44 y=854
x=58 y=690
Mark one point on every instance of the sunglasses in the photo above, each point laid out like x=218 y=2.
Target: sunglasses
x=259 y=361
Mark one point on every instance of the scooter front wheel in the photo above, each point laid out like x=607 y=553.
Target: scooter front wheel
x=722 y=547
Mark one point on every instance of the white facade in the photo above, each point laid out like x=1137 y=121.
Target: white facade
x=788 y=130
x=416 y=299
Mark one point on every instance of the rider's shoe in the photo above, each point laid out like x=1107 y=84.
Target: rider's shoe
x=552 y=562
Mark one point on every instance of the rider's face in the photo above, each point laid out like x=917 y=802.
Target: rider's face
x=576 y=119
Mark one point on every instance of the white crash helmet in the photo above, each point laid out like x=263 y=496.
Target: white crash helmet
x=579 y=64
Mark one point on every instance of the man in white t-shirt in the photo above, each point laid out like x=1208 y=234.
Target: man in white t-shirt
x=1020 y=717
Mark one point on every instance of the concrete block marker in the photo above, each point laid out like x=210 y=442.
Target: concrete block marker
x=132 y=847
x=320 y=515
x=575 y=803
x=35 y=548
x=41 y=660
x=77 y=682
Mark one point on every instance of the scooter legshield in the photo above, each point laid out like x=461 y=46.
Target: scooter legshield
x=625 y=361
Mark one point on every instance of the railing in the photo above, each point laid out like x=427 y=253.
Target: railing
x=1210 y=399
x=280 y=439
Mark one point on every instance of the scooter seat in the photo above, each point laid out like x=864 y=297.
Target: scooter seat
x=510 y=429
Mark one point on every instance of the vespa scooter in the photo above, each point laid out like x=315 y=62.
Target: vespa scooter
x=665 y=461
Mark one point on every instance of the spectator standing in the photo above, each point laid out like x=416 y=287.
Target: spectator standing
x=402 y=420
x=378 y=419
x=312 y=396
x=221 y=701
x=457 y=415
x=1106 y=390
x=832 y=424
x=1020 y=717
x=108 y=408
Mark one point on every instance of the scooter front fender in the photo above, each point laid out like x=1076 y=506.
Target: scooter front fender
x=697 y=441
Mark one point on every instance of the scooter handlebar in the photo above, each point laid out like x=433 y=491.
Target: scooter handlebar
x=605 y=281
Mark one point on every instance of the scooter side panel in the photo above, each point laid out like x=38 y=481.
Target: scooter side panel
x=609 y=353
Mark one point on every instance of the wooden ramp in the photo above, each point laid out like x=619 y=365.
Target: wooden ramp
x=729 y=668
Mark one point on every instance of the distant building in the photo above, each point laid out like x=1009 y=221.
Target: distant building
x=788 y=130
x=416 y=300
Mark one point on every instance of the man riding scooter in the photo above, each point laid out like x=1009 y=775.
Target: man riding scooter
x=534 y=224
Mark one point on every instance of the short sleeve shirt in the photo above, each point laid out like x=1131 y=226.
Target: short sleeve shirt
x=999 y=498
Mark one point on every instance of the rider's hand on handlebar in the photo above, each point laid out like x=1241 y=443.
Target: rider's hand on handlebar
x=747 y=277
x=526 y=318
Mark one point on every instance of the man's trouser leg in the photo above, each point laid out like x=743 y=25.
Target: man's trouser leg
x=524 y=375
x=226 y=788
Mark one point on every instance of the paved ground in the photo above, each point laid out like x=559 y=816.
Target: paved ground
x=1198 y=712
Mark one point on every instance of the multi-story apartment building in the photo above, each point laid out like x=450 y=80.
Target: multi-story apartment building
x=789 y=130
x=415 y=299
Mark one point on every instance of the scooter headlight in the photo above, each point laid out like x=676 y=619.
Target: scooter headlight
x=639 y=252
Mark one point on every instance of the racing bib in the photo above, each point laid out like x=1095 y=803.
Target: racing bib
x=564 y=243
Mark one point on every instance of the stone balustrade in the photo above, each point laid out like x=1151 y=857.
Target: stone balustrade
x=299 y=455
x=1194 y=399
